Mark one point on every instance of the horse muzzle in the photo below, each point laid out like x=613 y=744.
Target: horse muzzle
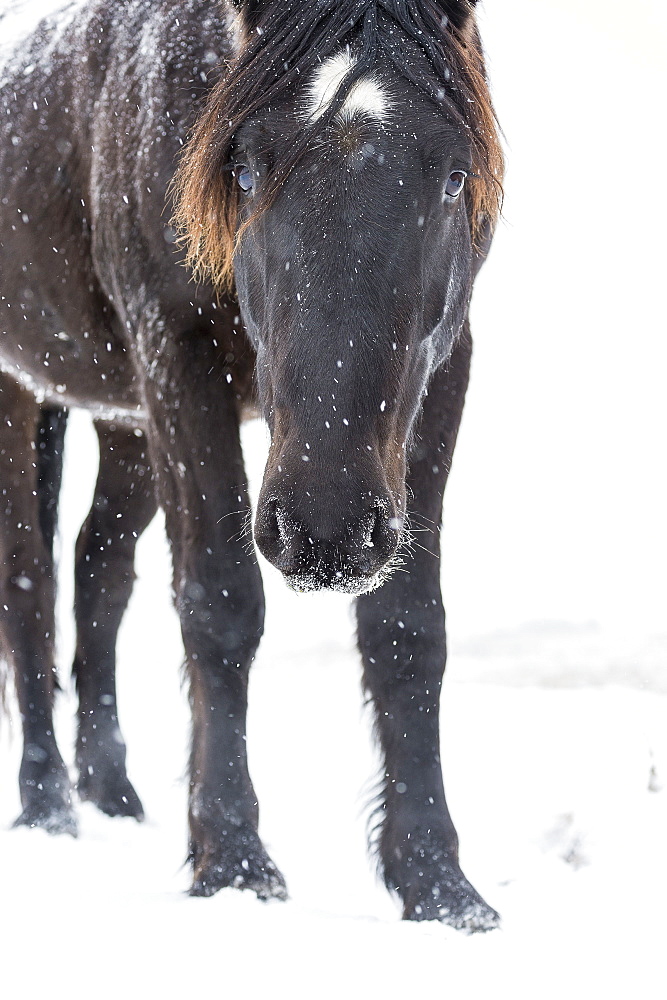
x=351 y=555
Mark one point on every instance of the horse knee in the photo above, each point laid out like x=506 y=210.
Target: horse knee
x=26 y=585
x=399 y=644
x=231 y=615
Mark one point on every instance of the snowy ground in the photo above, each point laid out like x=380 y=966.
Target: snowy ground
x=555 y=742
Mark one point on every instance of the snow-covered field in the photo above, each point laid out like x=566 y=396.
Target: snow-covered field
x=554 y=722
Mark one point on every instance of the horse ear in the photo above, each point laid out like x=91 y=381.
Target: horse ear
x=459 y=12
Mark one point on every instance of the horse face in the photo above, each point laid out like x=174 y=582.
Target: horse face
x=353 y=286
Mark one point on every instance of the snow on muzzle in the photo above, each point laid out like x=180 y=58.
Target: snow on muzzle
x=323 y=534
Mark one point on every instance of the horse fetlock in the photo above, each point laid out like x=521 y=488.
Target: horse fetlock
x=423 y=870
x=234 y=857
x=108 y=787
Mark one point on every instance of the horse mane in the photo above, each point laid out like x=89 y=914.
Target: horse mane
x=291 y=39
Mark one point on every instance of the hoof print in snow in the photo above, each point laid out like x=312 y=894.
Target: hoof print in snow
x=238 y=861
x=56 y=821
x=113 y=795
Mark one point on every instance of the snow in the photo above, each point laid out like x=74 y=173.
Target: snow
x=555 y=705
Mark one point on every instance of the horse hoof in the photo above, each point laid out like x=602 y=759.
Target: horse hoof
x=266 y=884
x=113 y=795
x=423 y=869
x=46 y=795
x=56 y=820
x=453 y=901
x=238 y=861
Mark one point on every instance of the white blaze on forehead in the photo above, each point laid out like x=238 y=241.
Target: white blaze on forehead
x=366 y=96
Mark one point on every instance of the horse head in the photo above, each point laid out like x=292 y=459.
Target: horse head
x=348 y=183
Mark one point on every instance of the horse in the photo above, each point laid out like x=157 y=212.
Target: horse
x=329 y=171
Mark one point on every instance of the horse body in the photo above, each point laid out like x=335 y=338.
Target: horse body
x=92 y=192
x=338 y=154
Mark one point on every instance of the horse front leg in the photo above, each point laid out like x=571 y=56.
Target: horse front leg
x=401 y=630
x=124 y=504
x=194 y=437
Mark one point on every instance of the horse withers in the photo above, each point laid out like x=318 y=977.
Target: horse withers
x=339 y=181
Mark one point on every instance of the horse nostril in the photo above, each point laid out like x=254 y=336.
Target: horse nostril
x=277 y=537
x=379 y=541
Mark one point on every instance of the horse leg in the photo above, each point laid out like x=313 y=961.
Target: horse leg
x=123 y=506
x=27 y=597
x=401 y=630
x=50 y=449
x=220 y=601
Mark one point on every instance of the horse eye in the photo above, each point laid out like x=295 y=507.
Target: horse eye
x=455 y=183
x=244 y=177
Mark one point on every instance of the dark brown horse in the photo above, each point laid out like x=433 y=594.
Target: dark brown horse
x=340 y=182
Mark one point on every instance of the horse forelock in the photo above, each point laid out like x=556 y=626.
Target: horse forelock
x=288 y=47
